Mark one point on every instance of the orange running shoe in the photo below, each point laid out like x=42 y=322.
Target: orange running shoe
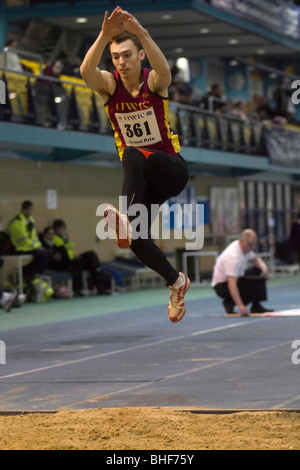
x=176 y=308
x=120 y=224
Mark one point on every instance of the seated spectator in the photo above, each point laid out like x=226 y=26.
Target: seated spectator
x=24 y=240
x=175 y=83
x=12 y=58
x=294 y=241
x=264 y=110
x=54 y=70
x=59 y=257
x=239 y=109
x=259 y=109
x=5 y=243
x=75 y=264
x=72 y=68
x=46 y=238
x=214 y=100
x=252 y=106
x=60 y=260
x=182 y=93
x=282 y=96
x=55 y=269
x=45 y=93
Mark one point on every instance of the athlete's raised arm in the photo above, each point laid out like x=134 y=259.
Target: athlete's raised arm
x=160 y=77
x=101 y=81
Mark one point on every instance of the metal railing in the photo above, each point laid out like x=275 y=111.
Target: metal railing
x=69 y=104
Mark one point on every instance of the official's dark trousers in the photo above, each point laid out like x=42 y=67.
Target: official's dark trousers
x=40 y=262
x=251 y=286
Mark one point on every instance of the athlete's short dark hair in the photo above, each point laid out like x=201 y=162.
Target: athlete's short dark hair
x=124 y=36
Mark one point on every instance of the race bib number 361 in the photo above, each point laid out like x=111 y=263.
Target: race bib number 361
x=139 y=127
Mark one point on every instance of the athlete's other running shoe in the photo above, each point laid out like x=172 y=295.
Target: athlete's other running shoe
x=120 y=224
x=176 y=308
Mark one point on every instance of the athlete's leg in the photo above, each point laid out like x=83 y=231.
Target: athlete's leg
x=134 y=183
x=145 y=249
x=151 y=255
x=150 y=178
x=166 y=175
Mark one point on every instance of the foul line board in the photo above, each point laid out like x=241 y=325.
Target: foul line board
x=281 y=313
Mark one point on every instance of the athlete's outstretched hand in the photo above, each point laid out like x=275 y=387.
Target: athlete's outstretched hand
x=113 y=24
x=131 y=24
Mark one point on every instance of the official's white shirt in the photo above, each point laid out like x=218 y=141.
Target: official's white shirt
x=231 y=262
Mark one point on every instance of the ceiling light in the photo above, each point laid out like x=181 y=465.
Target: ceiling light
x=204 y=30
x=183 y=65
x=260 y=51
x=233 y=63
x=178 y=50
x=233 y=41
x=166 y=16
x=81 y=20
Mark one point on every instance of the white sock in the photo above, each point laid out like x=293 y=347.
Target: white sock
x=178 y=283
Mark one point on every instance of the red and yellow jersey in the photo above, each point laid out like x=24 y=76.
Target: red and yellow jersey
x=142 y=120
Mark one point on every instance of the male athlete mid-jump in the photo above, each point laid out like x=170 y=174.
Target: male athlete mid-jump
x=136 y=101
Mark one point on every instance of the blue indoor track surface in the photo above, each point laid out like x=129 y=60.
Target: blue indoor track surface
x=113 y=351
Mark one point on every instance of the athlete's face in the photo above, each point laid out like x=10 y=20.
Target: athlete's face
x=126 y=58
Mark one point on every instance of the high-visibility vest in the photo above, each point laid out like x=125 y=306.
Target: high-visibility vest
x=68 y=246
x=23 y=234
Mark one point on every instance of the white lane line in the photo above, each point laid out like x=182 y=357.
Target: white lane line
x=181 y=374
x=284 y=404
x=218 y=328
x=122 y=351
